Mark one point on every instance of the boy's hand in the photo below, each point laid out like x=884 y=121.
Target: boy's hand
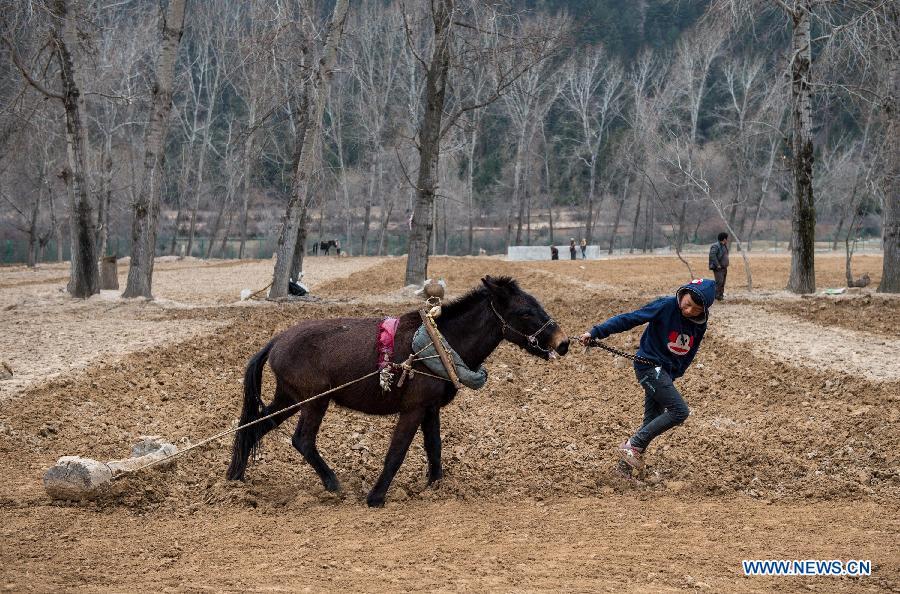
x=585 y=339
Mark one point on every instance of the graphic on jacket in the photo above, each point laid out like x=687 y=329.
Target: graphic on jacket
x=680 y=344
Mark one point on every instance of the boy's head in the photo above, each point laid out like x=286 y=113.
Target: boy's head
x=690 y=304
x=723 y=237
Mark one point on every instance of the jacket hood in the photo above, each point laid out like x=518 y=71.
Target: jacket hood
x=705 y=288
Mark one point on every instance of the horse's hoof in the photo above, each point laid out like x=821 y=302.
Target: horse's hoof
x=436 y=477
x=375 y=501
x=332 y=486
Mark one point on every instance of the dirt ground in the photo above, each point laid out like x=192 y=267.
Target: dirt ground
x=790 y=451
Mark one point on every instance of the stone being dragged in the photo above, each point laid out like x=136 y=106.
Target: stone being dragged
x=78 y=478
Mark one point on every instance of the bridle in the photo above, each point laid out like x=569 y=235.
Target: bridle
x=531 y=338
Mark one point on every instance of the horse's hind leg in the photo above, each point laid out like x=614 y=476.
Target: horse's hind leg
x=249 y=437
x=406 y=428
x=305 y=441
x=431 y=431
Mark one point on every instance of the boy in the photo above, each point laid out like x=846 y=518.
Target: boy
x=675 y=327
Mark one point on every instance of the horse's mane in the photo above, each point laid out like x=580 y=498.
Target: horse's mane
x=476 y=294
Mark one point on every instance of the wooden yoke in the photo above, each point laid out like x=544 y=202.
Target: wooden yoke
x=432 y=330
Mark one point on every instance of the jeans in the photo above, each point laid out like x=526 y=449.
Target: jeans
x=664 y=407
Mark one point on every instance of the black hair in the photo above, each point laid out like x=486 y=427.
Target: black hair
x=696 y=298
x=723 y=235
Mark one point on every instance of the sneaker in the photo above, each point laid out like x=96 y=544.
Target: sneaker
x=631 y=455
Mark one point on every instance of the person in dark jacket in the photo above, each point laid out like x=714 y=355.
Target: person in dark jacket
x=718 y=263
x=675 y=328
x=554 y=253
x=572 y=248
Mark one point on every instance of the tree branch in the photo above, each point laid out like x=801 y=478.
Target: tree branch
x=18 y=62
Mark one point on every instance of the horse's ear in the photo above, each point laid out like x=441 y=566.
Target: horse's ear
x=496 y=288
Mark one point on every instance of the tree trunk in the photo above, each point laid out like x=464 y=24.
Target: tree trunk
x=470 y=183
x=517 y=184
x=615 y=228
x=198 y=183
x=803 y=216
x=224 y=243
x=33 y=231
x=179 y=198
x=146 y=207
x=215 y=229
x=547 y=184
x=679 y=238
x=430 y=144
x=175 y=226
x=105 y=200
x=57 y=230
x=890 y=272
x=637 y=217
x=434 y=225
x=84 y=279
x=446 y=226
x=299 y=249
x=385 y=219
x=294 y=222
x=762 y=194
x=589 y=225
x=246 y=186
x=367 y=213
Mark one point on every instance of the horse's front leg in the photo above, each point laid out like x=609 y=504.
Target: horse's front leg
x=406 y=428
x=431 y=431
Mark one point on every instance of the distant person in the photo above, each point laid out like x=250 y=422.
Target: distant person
x=554 y=253
x=718 y=263
x=583 y=248
x=675 y=328
x=572 y=248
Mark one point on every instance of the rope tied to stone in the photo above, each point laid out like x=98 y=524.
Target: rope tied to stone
x=406 y=366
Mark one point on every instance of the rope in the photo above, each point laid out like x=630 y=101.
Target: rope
x=222 y=434
x=615 y=351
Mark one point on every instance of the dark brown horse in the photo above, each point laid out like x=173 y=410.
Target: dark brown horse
x=317 y=355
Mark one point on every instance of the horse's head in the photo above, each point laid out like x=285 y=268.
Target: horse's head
x=524 y=320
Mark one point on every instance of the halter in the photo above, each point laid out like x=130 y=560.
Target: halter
x=531 y=338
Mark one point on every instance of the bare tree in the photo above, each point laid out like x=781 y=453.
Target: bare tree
x=146 y=207
x=294 y=221
x=593 y=93
x=527 y=102
x=451 y=18
x=375 y=62
x=429 y=140
x=66 y=41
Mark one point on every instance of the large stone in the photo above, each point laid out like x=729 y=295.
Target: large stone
x=76 y=478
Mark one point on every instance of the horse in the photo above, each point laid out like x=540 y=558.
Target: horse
x=317 y=355
x=325 y=246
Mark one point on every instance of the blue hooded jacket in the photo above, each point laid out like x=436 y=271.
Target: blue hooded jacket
x=670 y=339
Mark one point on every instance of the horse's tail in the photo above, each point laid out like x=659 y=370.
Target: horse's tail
x=246 y=440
